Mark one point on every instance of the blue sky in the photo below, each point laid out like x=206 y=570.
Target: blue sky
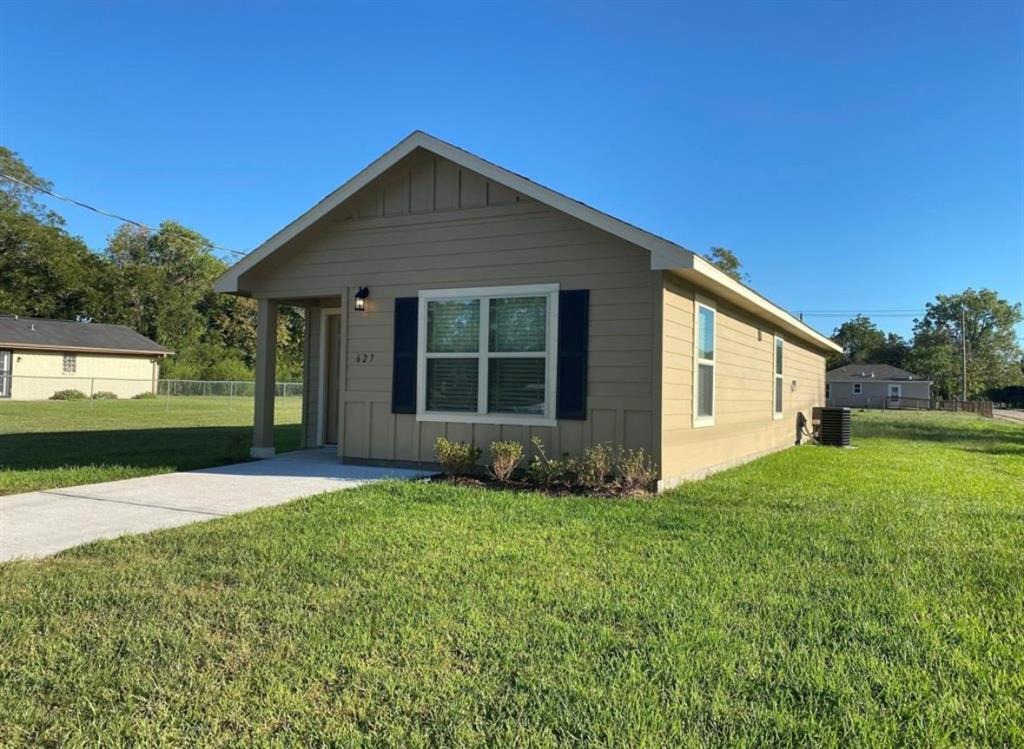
x=857 y=156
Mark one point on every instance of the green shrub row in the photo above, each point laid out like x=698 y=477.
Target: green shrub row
x=600 y=469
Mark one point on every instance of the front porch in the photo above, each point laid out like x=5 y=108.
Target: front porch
x=321 y=370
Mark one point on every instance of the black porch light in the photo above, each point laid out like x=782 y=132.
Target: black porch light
x=361 y=298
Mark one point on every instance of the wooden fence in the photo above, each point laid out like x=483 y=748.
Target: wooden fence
x=982 y=408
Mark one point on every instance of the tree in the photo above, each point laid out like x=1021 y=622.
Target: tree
x=860 y=338
x=45 y=271
x=726 y=261
x=987 y=323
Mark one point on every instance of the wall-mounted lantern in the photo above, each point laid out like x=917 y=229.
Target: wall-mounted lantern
x=361 y=298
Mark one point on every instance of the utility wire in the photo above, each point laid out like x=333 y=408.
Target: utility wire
x=108 y=214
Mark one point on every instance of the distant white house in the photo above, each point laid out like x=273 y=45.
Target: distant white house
x=875 y=386
x=38 y=357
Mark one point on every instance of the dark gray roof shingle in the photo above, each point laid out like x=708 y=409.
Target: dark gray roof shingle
x=61 y=335
x=871 y=372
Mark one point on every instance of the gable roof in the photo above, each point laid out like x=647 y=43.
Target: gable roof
x=665 y=255
x=68 y=335
x=877 y=372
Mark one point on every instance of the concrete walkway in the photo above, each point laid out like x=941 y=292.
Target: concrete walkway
x=39 y=523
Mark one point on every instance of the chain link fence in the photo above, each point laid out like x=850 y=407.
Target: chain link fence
x=70 y=387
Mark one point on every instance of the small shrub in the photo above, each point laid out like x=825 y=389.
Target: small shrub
x=548 y=472
x=505 y=458
x=635 y=471
x=594 y=467
x=69 y=395
x=104 y=395
x=456 y=458
x=147 y=395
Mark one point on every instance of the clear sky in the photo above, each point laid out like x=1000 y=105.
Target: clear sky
x=857 y=156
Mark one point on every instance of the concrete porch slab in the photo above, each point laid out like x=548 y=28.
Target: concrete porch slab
x=40 y=523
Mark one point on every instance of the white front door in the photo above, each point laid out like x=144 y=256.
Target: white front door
x=5 y=374
x=894 y=392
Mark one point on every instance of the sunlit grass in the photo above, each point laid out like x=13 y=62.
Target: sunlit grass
x=817 y=597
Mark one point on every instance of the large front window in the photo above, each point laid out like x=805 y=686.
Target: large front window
x=488 y=355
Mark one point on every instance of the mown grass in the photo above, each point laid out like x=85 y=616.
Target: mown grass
x=817 y=597
x=48 y=444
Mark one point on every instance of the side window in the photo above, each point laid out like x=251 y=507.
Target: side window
x=70 y=363
x=856 y=388
x=704 y=365
x=778 y=377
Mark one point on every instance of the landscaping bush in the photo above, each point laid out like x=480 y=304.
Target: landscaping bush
x=104 y=395
x=456 y=458
x=148 y=395
x=635 y=471
x=594 y=468
x=505 y=458
x=545 y=472
x=69 y=395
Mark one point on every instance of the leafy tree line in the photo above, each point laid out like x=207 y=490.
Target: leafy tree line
x=995 y=362
x=159 y=283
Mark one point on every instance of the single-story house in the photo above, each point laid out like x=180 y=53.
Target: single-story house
x=38 y=357
x=876 y=386
x=445 y=295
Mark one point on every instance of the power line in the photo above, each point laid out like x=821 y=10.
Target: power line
x=108 y=214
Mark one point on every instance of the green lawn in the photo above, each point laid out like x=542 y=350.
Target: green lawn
x=46 y=444
x=817 y=597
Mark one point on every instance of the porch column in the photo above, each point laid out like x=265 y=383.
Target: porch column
x=266 y=366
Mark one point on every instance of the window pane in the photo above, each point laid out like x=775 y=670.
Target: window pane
x=778 y=395
x=519 y=324
x=453 y=326
x=515 y=386
x=706 y=333
x=705 y=390
x=451 y=384
x=778 y=356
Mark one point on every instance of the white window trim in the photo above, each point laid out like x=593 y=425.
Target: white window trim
x=858 y=389
x=704 y=421
x=778 y=409
x=321 y=420
x=550 y=354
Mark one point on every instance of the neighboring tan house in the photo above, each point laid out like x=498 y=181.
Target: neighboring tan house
x=39 y=357
x=445 y=295
x=876 y=386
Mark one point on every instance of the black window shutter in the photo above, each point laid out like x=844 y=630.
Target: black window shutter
x=403 y=375
x=573 y=321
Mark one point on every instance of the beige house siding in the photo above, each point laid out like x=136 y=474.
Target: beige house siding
x=427 y=224
x=744 y=424
x=36 y=375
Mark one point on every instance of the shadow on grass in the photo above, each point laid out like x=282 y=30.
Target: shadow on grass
x=181 y=448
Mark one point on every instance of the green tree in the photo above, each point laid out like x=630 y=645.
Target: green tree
x=45 y=271
x=860 y=338
x=987 y=323
x=726 y=261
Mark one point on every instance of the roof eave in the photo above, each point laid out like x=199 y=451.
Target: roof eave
x=16 y=346
x=703 y=274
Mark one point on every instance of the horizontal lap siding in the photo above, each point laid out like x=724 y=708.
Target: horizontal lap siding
x=744 y=381
x=478 y=234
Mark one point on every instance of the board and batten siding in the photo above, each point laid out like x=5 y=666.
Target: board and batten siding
x=428 y=224
x=744 y=424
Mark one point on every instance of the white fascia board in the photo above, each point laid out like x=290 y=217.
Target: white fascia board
x=704 y=275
